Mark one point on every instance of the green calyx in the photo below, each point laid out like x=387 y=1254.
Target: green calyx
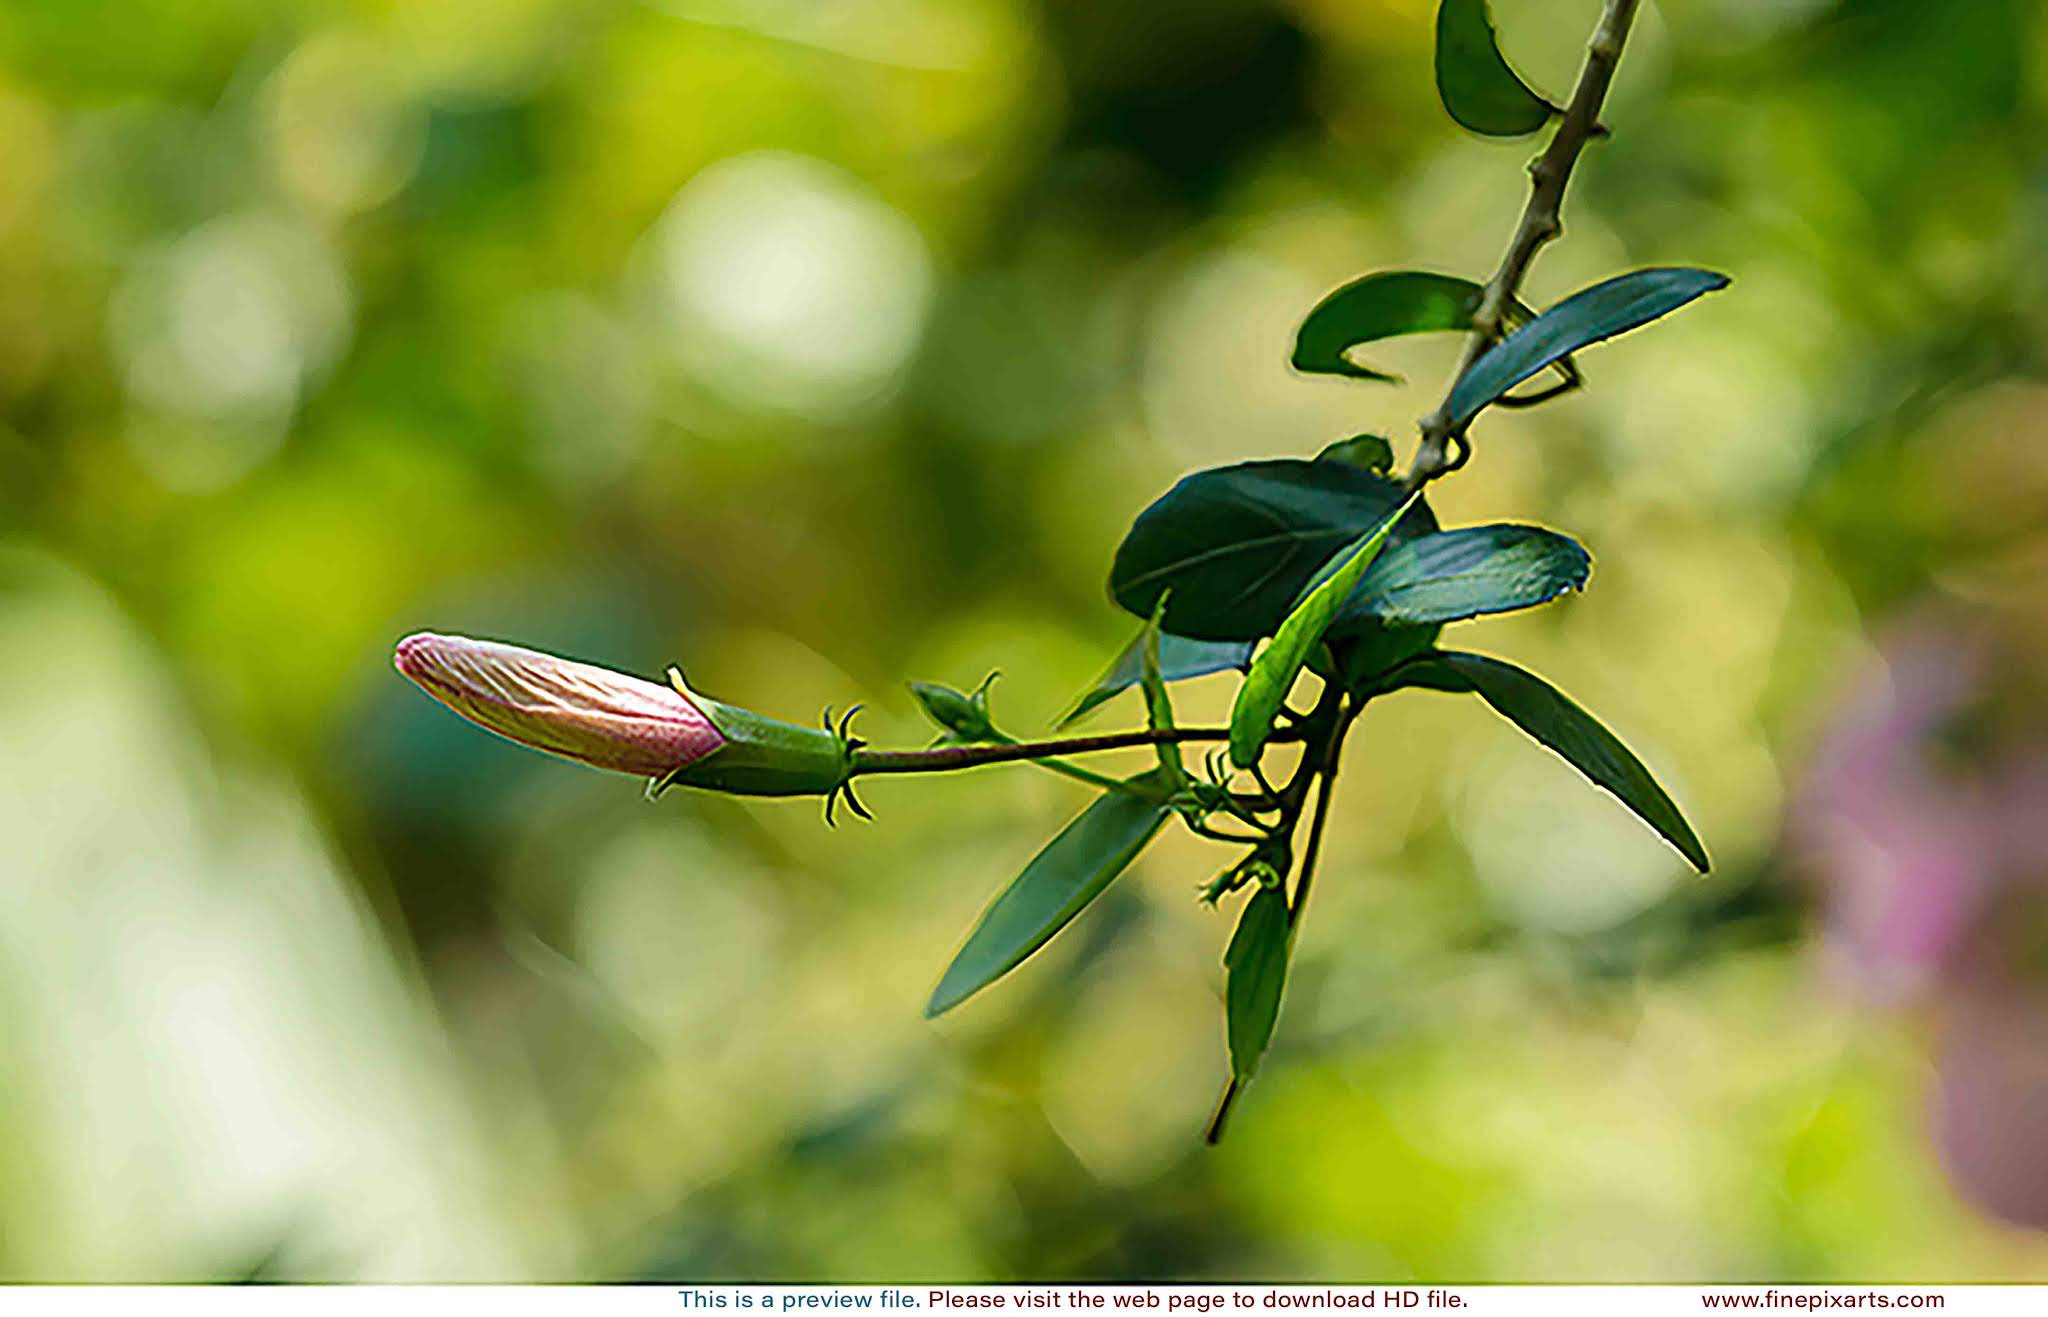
x=764 y=756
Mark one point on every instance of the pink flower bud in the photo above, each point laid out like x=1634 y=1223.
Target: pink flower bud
x=599 y=717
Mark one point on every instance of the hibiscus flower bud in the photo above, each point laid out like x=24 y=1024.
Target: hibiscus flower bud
x=669 y=734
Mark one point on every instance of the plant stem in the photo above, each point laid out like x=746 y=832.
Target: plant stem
x=1334 y=720
x=1216 y=834
x=1327 y=771
x=1213 y=1135
x=1063 y=768
x=1080 y=774
x=1541 y=222
x=947 y=758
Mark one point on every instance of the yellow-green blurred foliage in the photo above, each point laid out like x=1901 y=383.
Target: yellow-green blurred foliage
x=817 y=345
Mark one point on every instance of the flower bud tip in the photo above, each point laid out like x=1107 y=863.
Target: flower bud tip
x=577 y=710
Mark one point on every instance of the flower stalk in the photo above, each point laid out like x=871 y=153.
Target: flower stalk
x=948 y=758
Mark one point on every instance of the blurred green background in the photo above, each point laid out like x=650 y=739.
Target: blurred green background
x=817 y=345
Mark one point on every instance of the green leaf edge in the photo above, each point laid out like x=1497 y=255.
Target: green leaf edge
x=1447 y=670
x=1232 y=655
x=1124 y=583
x=1257 y=956
x=956 y=986
x=1159 y=702
x=1370 y=603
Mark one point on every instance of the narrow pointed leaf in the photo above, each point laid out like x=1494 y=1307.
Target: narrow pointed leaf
x=1547 y=714
x=1073 y=869
x=1274 y=670
x=1590 y=316
x=1159 y=704
x=1236 y=544
x=1468 y=572
x=1478 y=88
x=1180 y=659
x=1254 y=978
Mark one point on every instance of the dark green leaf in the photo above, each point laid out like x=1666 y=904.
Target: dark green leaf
x=1060 y=881
x=1237 y=544
x=1255 y=975
x=1586 y=317
x=1367 y=648
x=1478 y=88
x=1274 y=670
x=1370 y=451
x=1545 y=713
x=1469 y=572
x=1179 y=660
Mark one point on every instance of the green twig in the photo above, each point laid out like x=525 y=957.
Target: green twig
x=1326 y=769
x=1542 y=221
x=948 y=758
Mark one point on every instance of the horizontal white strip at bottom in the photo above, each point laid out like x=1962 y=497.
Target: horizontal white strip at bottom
x=679 y=1300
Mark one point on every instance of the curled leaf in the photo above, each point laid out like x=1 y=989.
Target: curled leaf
x=1390 y=304
x=1380 y=306
x=1478 y=87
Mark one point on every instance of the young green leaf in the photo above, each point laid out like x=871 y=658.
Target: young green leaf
x=1236 y=544
x=1274 y=670
x=1058 y=884
x=1254 y=977
x=1180 y=659
x=1545 y=713
x=1468 y=572
x=1372 y=452
x=1478 y=88
x=1159 y=704
x=1589 y=316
